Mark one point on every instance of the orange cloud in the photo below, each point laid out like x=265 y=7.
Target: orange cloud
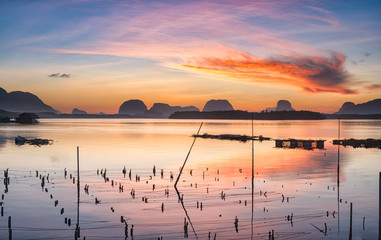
x=311 y=74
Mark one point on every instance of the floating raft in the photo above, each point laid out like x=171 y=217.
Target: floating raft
x=299 y=143
x=36 y=141
x=242 y=138
x=359 y=143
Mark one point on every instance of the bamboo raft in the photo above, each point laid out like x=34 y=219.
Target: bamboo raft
x=279 y=143
x=299 y=143
x=242 y=138
x=359 y=143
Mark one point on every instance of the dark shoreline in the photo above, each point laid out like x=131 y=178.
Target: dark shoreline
x=280 y=115
x=229 y=115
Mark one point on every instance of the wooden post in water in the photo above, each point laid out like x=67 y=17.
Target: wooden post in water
x=379 y=208
x=10 y=227
x=182 y=168
x=78 y=187
x=338 y=179
x=350 y=223
x=252 y=175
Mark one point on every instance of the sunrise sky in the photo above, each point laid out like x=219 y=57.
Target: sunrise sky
x=94 y=55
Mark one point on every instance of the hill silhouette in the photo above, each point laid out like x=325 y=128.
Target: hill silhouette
x=217 y=105
x=282 y=105
x=132 y=107
x=23 y=102
x=78 y=111
x=166 y=110
x=371 y=107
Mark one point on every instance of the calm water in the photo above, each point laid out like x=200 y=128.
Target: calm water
x=287 y=182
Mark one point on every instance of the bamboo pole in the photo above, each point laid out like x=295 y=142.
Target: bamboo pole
x=350 y=222
x=77 y=234
x=252 y=176
x=178 y=178
x=338 y=178
x=182 y=168
x=379 y=209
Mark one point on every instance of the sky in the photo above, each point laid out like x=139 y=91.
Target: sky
x=94 y=55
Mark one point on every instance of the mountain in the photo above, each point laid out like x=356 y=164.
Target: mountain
x=23 y=102
x=4 y=114
x=188 y=109
x=282 y=105
x=166 y=110
x=217 y=105
x=371 y=107
x=3 y=92
x=78 y=111
x=132 y=107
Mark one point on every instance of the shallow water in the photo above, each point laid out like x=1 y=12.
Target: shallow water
x=307 y=179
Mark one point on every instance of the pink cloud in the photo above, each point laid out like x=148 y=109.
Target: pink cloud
x=167 y=30
x=208 y=36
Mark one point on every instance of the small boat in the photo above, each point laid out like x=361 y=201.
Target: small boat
x=20 y=140
x=36 y=141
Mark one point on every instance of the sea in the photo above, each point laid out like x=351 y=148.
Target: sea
x=130 y=186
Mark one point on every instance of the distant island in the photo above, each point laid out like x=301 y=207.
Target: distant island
x=78 y=111
x=166 y=110
x=371 y=107
x=23 y=102
x=12 y=104
x=282 y=105
x=217 y=105
x=137 y=108
x=23 y=118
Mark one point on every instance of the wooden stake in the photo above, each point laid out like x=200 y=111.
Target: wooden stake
x=78 y=187
x=379 y=208
x=350 y=223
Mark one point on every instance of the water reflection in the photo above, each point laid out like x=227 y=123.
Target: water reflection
x=3 y=141
x=181 y=198
x=309 y=187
